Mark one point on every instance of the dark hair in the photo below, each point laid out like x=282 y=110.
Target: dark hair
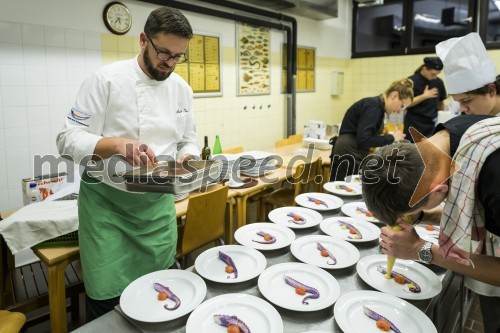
x=388 y=186
x=484 y=89
x=419 y=69
x=168 y=20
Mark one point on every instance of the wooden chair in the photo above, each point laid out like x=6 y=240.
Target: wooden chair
x=295 y=138
x=25 y=288
x=234 y=150
x=11 y=322
x=204 y=222
x=304 y=180
x=282 y=142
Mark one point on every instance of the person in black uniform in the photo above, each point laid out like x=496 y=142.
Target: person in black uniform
x=429 y=92
x=472 y=81
x=362 y=125
x=389 y=202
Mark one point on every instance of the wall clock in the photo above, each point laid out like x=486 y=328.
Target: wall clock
x=117 y=18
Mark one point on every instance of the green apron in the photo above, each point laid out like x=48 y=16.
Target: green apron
x=122 y=236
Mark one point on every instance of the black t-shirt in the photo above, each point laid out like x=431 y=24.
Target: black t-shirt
x=365 y=119
x=488 y=184
x=421 y=116
x=429 y=107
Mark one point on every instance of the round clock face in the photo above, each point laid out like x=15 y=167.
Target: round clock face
x=117 y=18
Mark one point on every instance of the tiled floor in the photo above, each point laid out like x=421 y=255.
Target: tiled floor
x=474 y=320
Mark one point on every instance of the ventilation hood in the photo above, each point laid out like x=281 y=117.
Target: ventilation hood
x=314 y=9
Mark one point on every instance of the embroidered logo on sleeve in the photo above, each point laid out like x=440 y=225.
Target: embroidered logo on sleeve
x=79 y=117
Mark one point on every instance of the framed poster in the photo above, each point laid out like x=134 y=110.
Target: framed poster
x=202 y=70
x=306 y=65
x=254 y=60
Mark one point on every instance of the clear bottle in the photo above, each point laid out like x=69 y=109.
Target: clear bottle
x=33 y=194
x=217 y=147
x=205 y=152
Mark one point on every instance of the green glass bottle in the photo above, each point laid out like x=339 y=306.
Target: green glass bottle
x=217 y=147
x=205 y=152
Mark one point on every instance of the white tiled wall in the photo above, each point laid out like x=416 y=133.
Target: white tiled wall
x=41 y=69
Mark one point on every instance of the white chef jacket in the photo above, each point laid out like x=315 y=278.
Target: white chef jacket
x=120 y=100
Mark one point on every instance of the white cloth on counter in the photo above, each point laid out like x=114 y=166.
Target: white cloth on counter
x=39 y=222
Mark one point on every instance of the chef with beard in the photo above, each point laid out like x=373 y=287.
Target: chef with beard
x=128 y=114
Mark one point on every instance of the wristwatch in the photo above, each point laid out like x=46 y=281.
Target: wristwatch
x=425 y=253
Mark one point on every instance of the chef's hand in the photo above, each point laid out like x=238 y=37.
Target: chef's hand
x=398 y=136
x=137 y=153
x=403 y=244
x=185 y=158
x=430 y=93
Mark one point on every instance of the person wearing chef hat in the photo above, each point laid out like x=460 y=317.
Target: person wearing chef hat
x=430 y=94
x=428 y=175
x=472 y=81
x=471 y=75
x=127 y=114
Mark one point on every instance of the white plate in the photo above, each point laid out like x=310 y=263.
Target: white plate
x=256 y=155
x=306 y=250
x=273 y=286
x=280 y=216
x=331 y=226
x=349 y=315
x=256 y=313
x=249 y=263
x=431 y=236
x=247 y=235
x=331 y=201
x=354 y=179
x=421 y=275
x=139 y=300
x=332 y=188
x=351 y=209
x=234 y=185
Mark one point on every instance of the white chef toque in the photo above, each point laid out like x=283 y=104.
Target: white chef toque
x=467 y=65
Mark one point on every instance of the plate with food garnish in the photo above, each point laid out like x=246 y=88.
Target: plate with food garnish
x=299 y=287
x=428 y=232
x=163 y=295
x=343 y=188
x=230 y=263
x=350 y=229
x=325 y=251
x=353 y=180
x=264 y=236
x=374 y=311
x=408 y=278
x=358 y=210
x=295 y=217
x=319 y=201
x=234 y=313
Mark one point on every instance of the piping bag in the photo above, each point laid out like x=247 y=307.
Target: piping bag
x=391 y=259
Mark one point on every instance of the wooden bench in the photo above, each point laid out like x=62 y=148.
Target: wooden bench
x=25 y=288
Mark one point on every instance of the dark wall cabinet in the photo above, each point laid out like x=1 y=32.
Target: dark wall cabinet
x=410 y=27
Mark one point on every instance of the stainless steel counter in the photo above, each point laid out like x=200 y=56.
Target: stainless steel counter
x=293 y=321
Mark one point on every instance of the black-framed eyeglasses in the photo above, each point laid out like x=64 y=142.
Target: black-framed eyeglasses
x=164 y=56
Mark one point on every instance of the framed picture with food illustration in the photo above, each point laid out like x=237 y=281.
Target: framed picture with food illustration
x=202 y=70
x=254 y=57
